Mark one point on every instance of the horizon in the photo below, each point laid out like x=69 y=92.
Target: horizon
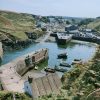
x=88 y=8
x=43 y=15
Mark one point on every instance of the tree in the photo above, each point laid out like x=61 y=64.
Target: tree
x=85 y=21
x=67 y=22
x=73 y=21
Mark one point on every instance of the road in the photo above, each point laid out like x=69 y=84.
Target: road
x=1 y=51
x=43 y=38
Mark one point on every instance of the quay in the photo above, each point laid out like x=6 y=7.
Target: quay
x=12 y=72
x=16 y=77
x=62 y=38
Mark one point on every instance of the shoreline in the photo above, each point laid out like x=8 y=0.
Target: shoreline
x=10 y=76
x=30 y=53
x=84 y=68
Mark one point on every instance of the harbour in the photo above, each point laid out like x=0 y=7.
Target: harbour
x=49 y=51
x=74 y=48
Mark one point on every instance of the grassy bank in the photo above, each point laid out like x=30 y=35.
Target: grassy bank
x=83 y=79
x=5 y=95
x=18 y=30
x=16 y=24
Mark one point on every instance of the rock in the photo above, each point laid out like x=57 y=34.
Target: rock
x=95 y=95
x=80 y=94
x=92 y=72
x=91 y=80
x=97 y=85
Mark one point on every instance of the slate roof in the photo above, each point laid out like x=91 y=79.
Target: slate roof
x=45 y=85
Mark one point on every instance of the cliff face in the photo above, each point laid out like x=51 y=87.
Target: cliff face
x=15 y=29
x=1 y=51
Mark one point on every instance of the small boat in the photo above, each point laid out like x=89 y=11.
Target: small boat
x=77 y=61
x=51 y=70
x=60 y=69
x=62 y=55
x=64 y=64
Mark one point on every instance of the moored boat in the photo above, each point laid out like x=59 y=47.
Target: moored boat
x=77 y=61
x=64 y=64
x=62 y=55
x=58 y=68
x=51 y=70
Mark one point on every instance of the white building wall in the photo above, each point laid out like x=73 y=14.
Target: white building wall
x=27 y=88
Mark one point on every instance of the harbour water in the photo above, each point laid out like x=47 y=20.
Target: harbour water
x=75 y=50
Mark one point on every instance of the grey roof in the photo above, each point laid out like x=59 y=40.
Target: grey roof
x=69 y=25
x=74 y=31
x=88 y=30
x=45 y=85
x=63 y=36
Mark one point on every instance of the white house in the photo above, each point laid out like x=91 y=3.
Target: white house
x=44 y=85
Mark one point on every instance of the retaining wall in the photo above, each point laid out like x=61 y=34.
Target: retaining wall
x=1 y=51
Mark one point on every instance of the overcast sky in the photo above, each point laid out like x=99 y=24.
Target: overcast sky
x=73 y=8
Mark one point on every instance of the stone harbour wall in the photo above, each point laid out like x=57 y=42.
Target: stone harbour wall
x=1 y=51
x=33 y=58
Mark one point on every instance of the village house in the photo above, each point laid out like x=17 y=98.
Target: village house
x=41 y=86
x=69 y=28
x=87 y=30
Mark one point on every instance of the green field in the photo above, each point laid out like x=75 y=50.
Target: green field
x=95 y=25
x=17 y=24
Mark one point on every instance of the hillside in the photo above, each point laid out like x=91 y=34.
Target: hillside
x=16 y=24
x=5 y=95
x=95 y=24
